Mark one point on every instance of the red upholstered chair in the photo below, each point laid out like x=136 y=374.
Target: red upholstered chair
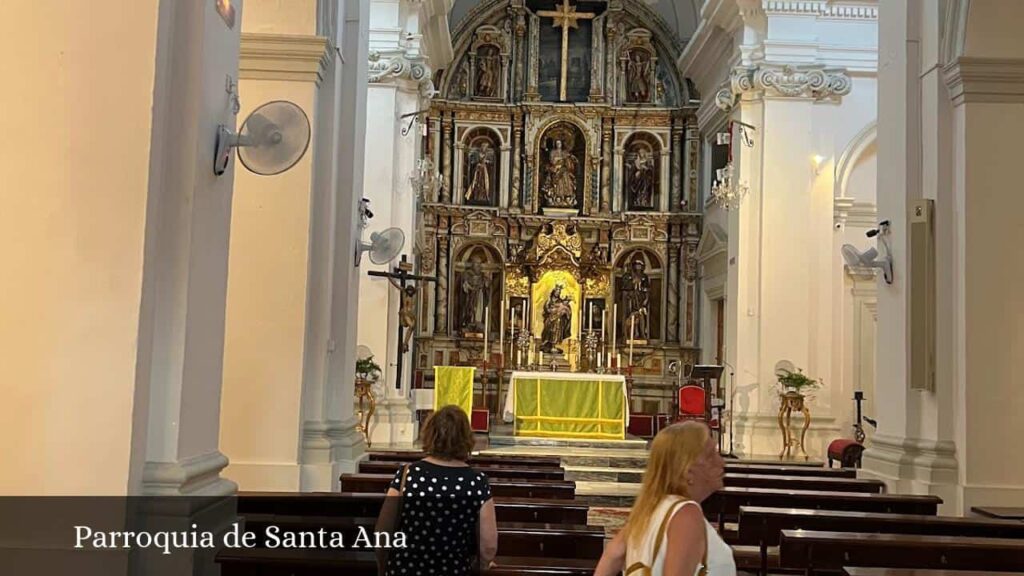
x=692 y=403
x=847 y=452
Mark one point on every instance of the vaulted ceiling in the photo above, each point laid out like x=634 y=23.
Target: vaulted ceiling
x=681 y=16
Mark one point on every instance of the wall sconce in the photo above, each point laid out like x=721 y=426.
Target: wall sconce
x=816 y=161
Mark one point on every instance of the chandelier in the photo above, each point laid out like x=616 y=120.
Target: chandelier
x=727 y=191
x=426 y=180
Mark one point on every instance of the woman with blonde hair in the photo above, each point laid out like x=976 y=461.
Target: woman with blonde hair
x=666 y=533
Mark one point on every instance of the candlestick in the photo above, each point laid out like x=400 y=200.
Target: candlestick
x=615 y=326
x=632 y=337
x=618 y=360
x=590 y=326
x=512 y=341
x=540 y=357
x=501 y=332
x=487 y=326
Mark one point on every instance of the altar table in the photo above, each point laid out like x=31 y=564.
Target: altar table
x=565 y=404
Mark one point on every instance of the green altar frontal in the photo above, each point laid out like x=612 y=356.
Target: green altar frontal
x=552 y=404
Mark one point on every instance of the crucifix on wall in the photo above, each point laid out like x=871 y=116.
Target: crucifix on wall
x=401 y=278
x=565 y=17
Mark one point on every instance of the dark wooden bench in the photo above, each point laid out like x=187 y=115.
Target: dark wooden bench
x=514 y=538
x=492 y=470
x=554 y=489
x=762 y=527
x=509 y=459
x=725 y=504
x=347 y=504
x=1002 y=512
x=804 y=483
x=292 y=562
x=766 y=470
x=912 y=572
x=828 y=552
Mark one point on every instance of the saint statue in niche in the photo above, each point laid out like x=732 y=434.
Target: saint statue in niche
x=641 y=178
x=476 y=292
x=481 y=162
x=557 y=320
x=487 y=72
x=638 y=76
x=559 y=187
x=636 y=301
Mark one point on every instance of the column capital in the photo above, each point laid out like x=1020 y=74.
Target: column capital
x=814 y=81
x=394 y=67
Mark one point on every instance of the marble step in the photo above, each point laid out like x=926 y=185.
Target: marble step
x=603 y=474
x=607 y=494
x=580 y=456
x=499 y=440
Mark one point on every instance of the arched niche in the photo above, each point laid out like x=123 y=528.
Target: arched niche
x=481 y=164
x=655 y=271
x=642 y=167
x=561 y=182
x=463 y=296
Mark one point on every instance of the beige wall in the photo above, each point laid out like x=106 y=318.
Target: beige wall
x=266 y=311
x=75 y=167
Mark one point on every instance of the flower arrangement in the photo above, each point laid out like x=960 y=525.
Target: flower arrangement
x=790 y=381
x=367 y=369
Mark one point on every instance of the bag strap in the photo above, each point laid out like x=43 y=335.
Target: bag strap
x=662 y=529
x=401 y=498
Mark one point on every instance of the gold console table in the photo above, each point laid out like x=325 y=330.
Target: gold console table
x=792 y=402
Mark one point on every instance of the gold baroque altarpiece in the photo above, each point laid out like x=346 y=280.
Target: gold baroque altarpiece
x=569 y=157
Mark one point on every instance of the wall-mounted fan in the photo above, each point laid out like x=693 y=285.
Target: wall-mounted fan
x=273 y=138
x=383 y=246
x=870 y=258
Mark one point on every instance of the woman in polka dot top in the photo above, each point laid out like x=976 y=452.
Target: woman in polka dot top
x=447 y=512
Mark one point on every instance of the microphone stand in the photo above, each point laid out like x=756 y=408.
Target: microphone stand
x=732 y=389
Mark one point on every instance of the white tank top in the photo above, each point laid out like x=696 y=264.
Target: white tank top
x=720 y=561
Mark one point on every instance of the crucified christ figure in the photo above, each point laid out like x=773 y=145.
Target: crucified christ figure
x=407 y=312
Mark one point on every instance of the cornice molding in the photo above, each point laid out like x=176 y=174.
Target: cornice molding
x=396 y=66
x=289 y=57
x=784 y=81
x=973 y=79
x=821 y=8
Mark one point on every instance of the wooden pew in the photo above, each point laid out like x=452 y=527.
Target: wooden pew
x=292 y=562
x=347 y=504
x=514 y=538
x=828 y=552
x=804 y=483
x=504 y=459
x=762 y=527
x=766 y=470
x=492 y=470
x=554 y=489
x=725 y=503
x=912 y=572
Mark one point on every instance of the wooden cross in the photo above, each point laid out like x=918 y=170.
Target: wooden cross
x=565 y=18
x=402 y=275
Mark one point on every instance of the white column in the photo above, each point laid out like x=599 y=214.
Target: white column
x=330 y=444
x=269 y=278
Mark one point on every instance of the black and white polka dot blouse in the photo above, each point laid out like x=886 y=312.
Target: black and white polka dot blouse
x=440 y=519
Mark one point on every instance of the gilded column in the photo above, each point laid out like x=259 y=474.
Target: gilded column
x=690 y=284
x=446 y=130
x=606 y=166
x=596 y=68
x=441 y=317
x=690 y=192
x=532 y=92
x=672 y=331
x=515 y=194
x=677 y=167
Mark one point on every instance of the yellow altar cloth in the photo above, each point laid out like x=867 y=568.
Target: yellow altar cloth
x=569 y=405
x=454 y=385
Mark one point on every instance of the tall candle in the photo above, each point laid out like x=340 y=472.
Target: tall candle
x=540 y=357
x=591 y=325
x=603 y=317
x=618 y=360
